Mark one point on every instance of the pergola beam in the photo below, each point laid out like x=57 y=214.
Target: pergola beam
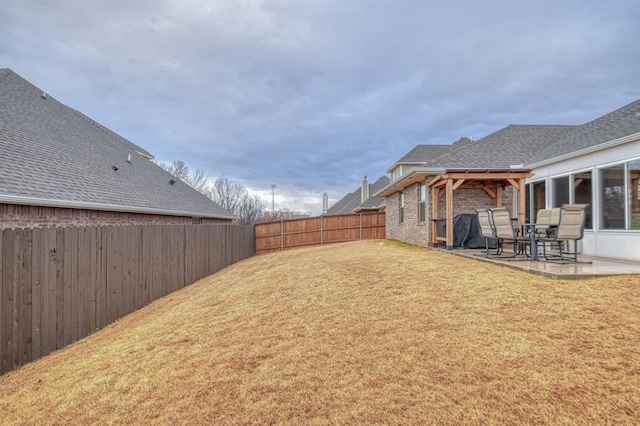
x=457 y=184
x=489 y=191
x=514 y=183
x=483 y=176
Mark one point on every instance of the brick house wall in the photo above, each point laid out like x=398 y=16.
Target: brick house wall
x=410 y=230
x=419 y=233
x=23 y=216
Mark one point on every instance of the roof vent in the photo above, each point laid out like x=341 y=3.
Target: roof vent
x=115 y=168
x=172 y=182
x=44 y=95
x=129 y=158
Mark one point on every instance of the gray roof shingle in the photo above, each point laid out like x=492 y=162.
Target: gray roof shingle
x=54 y=154
x=422 y=153
x=530 y=144
x=622 y=122
x=512 y=145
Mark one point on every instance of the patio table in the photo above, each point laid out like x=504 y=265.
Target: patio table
x=530 y=229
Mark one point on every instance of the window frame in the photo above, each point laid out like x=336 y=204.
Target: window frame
x=567 y=177
x=572 y=196
x=422 y=202
x=602 y=216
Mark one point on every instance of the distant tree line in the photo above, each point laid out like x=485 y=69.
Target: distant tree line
x=228 y=194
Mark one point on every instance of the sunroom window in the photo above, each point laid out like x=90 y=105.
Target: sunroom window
x=634 y=194
x=539 y=196
x=560 y=191
x=612 y=213
x=582 y=194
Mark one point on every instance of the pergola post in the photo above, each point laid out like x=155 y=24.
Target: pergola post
x=522 y=201
x=434 y=216
x=449 y=213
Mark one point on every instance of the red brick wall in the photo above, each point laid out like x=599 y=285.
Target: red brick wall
x=19 y=216
x=414 y=232
x=410 y=230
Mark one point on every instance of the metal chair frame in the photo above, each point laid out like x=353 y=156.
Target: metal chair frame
x=570 y=228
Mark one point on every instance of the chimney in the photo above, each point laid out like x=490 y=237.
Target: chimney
x=325 y=203
x=365 y=190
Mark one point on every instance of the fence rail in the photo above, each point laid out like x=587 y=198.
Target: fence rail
x=58 y=285
x=290 y=233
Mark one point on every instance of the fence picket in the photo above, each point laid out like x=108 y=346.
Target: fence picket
x=27 y=297
x=49 y=258
x=6 y=362
x=36 y=292
x=3 y=283
x=16 y=338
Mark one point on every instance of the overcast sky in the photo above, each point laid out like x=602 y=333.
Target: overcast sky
x=312 y=95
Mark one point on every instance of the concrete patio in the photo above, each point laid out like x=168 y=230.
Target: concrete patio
x=599 y=266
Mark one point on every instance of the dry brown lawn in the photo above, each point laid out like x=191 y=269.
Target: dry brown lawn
x=358 y=333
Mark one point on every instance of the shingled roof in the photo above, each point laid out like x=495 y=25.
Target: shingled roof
x=512 y=145
x=353 y=200
x=421 y=153
x=624 y=121
x=52 y=155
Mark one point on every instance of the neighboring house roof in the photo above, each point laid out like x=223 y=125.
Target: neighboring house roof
x=52 y=155
x=353 y=201
x=373 y=202
x=420 y=154
x=346 y=204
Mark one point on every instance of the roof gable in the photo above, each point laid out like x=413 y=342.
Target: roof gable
x=54 y=155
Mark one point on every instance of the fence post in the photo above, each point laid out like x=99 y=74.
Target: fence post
x=360 y=225
x=321 y=230
x=281 y=234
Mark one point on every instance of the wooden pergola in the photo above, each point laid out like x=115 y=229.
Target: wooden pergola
x=490 y=181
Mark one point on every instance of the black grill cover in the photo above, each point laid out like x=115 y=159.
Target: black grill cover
x=467 y=233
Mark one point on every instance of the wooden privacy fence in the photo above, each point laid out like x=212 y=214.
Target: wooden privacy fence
x=285 y=234
x=58 y=285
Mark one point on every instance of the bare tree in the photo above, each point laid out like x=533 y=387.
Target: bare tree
x=198 y=180
x=227 y=193
x=285 y=213
x=233 y=196
x=249 y=209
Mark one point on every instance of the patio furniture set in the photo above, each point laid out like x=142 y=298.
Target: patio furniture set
x=552 y=233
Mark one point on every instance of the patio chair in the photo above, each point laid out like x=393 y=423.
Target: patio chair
x=504 y=231
x=570 y=228
x=547 y=222
x=487 y=231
